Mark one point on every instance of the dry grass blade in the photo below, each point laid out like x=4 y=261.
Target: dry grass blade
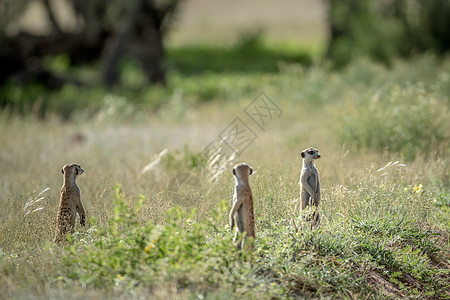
x=219 y=161
x=155 y=162
x=31 y=203
x=391 y=165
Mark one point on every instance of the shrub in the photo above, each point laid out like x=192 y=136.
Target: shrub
x=401 y=120
x=183 y=252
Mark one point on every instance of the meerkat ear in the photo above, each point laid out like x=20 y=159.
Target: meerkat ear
x=251 y=171
x=234 y=172
x=303 y=154
x=62 y=171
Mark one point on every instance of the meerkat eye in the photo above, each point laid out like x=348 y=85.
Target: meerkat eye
x=311 y=152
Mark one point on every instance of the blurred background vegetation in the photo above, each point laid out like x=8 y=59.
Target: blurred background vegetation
x=72 y=58
x=99 y=46
x=384 y=30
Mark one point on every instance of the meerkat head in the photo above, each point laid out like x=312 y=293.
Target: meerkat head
x=310 y=154
x=242 y=171
x=72 y=170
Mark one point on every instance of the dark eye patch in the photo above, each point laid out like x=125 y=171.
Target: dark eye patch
x=311 y=152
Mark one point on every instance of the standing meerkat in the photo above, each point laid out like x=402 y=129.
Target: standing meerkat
x=242 y=211
x=69 y=203
x=309 y=182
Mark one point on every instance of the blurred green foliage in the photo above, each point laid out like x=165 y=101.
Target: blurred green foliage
x=249 y=55
x=200 y=73
x=386 y=29
x=405 y=120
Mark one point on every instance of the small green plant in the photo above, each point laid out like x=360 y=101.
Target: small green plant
x=129 y=253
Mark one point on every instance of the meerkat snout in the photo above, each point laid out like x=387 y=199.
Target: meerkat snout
x=80 y=171
x=310 y=153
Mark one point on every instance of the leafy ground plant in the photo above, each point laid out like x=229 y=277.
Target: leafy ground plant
x=131 y=255
x=290 y=259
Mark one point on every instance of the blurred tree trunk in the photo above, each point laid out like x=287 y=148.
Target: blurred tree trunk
x=107 y=31
x=336 y=16
x=142 y=37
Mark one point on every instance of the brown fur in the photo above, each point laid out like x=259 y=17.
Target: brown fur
x=69 y=203
x=242 y=211
x=309 y=182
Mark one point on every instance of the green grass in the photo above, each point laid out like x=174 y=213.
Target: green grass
x=384 y=229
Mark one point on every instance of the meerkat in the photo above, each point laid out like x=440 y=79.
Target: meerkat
x=242 y=210
x=309 y=182
x=69 y=203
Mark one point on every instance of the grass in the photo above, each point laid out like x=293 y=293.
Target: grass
x=384 y=224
